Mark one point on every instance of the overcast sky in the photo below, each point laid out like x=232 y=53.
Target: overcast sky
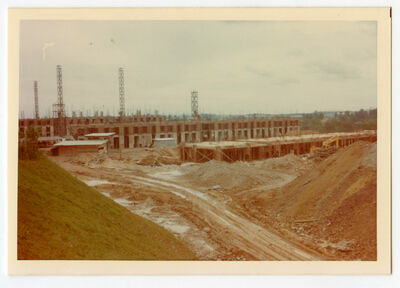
x=237 y=67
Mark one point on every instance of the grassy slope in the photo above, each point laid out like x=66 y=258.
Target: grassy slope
x=59 y=217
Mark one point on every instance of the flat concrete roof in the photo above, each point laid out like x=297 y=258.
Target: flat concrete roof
x=164 y=139
x=308 y=136
x=100 y=134
x=242 y=143
x=49 y=138
x=81 y=143
x=225 y=144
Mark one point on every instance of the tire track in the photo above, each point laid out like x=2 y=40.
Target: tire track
x=243 y=234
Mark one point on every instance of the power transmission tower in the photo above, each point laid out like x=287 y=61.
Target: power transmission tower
x=195 y=105
x=35 y=91
x=121 y=93
x=59 y=107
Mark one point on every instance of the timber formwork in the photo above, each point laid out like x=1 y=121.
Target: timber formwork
x=258 y=149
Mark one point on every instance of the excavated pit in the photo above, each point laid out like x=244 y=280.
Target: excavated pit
x=288 y=208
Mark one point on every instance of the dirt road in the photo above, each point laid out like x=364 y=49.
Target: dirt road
x=243 y=234
x=205 y=223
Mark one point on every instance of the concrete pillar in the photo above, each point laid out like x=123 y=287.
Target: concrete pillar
x=121 y=142
x=233 y=134
x=279 y=149
x=218 y=154
x=158 y=128
x=149 y=139
x=194 y=155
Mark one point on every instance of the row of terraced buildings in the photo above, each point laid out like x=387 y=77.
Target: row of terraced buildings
x=141 y=130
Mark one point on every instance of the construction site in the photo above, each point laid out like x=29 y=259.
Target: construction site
x=230 y=188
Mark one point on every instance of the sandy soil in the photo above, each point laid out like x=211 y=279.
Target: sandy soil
x=231 y=211
x=331 y=207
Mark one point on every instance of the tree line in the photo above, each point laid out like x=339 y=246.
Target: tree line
x=28 y=147
x=341 y=121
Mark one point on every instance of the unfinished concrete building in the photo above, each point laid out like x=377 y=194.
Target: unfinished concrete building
x=141 y=130
x=258 y=149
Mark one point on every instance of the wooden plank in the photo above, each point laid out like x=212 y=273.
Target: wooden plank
x=203 y=156
x=222 y=151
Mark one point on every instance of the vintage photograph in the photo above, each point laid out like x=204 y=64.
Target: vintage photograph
x=229 y=140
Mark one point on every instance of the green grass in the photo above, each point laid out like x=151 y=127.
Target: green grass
x=60 y=217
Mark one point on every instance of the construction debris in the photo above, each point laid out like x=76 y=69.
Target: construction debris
x=324 y=201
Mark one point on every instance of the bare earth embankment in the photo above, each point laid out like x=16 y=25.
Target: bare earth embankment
x=331 y=207
x=288 y=208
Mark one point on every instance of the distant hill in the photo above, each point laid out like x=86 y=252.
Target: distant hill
x=60 y=217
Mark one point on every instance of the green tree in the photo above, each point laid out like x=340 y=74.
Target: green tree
x=22 y=154
x=32 y=147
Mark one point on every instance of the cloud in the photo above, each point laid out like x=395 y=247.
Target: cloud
x=332 y=70
x=285 y=81
x=259 y=72
x=274 y=78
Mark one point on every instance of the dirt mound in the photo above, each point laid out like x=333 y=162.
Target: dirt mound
x=288 y=162
x=240 y=176
x=159 y=156
x=336 y=201
x=228 y=175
